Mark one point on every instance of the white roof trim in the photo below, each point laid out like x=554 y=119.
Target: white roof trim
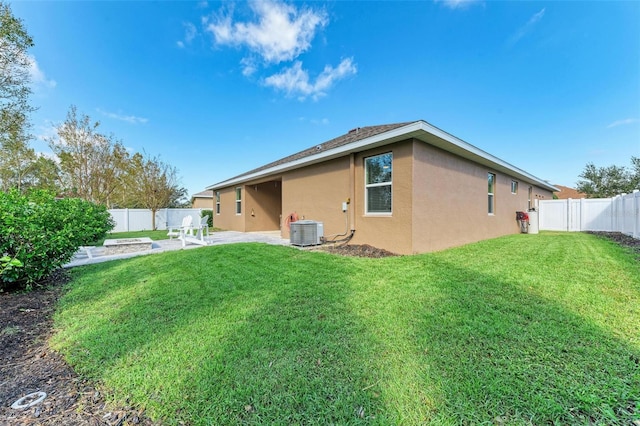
x=420 y=130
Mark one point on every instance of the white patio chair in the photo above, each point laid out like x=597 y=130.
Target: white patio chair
x=182 y=230
x=204 y=225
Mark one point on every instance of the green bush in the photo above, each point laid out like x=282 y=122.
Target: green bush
x=43 y=233
x=210 y=220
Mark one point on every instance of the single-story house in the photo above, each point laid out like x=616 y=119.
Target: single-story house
x=202 y=200
x=405 y=187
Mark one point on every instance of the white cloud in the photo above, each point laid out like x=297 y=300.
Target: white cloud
x=249 y=67
x=459 y=4
x=128 y=118
x=280 y=32
x=295 y=80
x=623 y=122
x=190 y=33
x=526 y=28
x=38 y=78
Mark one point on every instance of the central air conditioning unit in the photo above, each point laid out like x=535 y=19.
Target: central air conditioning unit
x=306 y=233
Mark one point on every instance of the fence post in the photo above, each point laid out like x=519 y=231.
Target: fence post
x=126 y=220
x=636 y=213
x=623 y=212
x=614 y=222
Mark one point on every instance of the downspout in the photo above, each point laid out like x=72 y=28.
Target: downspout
x=352 y=191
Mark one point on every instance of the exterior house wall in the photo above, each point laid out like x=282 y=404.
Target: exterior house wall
x=389 y=231
x=228 y=219
x=316 y=192
x=262 y=206
x=202 y=203
x=451 y=201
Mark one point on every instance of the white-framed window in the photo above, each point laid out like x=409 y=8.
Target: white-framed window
x=378 y=183
x=238 y=200
x=530 y=198
x=514 y=186
x=217 y=202
x=491 y=179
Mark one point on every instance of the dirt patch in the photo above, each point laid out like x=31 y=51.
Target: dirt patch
x=29 y=365
x=358 y=250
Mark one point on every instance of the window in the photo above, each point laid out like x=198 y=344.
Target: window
x=217 y=202
x=529 y=199
x=238 y=200
x=377 y=172
x=514 y=187
x=492 y=185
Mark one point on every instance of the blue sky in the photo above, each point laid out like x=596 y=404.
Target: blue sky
x=218 y=88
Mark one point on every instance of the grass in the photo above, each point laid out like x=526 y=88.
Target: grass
x=525 y=329
x=154 y=235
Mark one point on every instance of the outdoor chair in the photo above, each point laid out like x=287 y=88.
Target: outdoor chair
x=182 y=230
x=204 y=225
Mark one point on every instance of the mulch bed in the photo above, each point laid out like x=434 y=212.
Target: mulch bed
x=29 y=365
x=362 y=250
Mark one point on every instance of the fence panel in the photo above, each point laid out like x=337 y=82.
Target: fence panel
x=553 y=215
x=597 y=214
x=617 y=214
x=140 y=219
x=175 y=216
x=120 y=217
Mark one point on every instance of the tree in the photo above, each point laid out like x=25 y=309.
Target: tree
x=92 y=164
x=14 y=77
x=21 y=168
x=153 y=184
x=605 y=182
x=16 y=163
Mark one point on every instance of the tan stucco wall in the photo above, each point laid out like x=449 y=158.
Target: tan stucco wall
x=391 y=232
x=451 y=201
x=202 y=203
x=228 y=219
x=316 y=193
x=262 y=206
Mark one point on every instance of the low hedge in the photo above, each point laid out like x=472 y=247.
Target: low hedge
x=39 y=234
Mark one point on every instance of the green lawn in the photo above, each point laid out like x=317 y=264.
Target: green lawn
x=154 y=235
x=525 y=329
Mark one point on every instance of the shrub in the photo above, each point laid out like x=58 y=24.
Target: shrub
x=43 y=233
x=210 y=220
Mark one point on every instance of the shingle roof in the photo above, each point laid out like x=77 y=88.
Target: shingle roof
x=203 y=194
x=567 y=192
x=367 y=137
x=353 y=135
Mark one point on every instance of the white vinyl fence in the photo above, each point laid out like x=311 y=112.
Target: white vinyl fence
x=140 y=219
x=617 y=214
